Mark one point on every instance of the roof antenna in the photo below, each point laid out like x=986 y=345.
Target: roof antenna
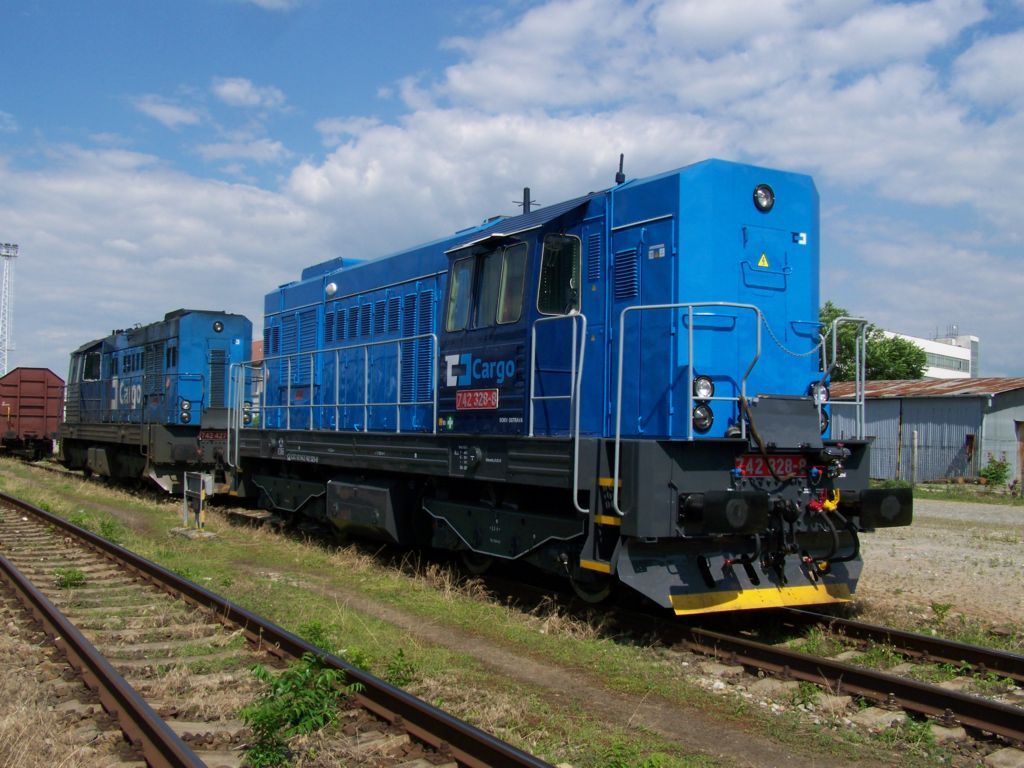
x=620 y=176
x=526 y=202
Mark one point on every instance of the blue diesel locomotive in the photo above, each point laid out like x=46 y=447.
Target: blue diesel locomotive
x=626 y=387
x=151 y=401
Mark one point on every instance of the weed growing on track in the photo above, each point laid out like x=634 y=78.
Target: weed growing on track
x=299 y=700
x=68 y=578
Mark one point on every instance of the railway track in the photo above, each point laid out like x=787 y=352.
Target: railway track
x=169 y=660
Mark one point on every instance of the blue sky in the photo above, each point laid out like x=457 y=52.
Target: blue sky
x=199 y=152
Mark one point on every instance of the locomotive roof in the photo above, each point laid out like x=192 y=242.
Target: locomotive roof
x=517 y=225
x=143 y=329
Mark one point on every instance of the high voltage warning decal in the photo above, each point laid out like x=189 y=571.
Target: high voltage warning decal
x=763 y=261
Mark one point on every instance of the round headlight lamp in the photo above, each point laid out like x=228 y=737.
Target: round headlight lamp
x=186 y=405
x=218 y=326
x=331 y=288
x=247 y=418
x=703 y=388
x=764 y=198
x=824 y=421
x=703 y=418
x=819 y=392
x=186 y=417
x=247 y=405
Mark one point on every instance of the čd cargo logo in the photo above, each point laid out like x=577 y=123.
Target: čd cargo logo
x=462 y=370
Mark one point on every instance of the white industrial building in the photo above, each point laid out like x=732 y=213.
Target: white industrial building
x=948 y=357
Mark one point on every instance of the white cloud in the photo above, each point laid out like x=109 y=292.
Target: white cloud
x=167 y=112
x=110 y=238
x=990 y=73
x=256 y=150
x=241 y=92
x=7 y=123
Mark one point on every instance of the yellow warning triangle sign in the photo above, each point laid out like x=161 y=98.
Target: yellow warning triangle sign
x=763 y=261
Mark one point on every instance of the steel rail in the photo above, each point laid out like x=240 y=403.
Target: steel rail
x=160 y=746
x=463 y=742
x=972 y=711
x=915 y=645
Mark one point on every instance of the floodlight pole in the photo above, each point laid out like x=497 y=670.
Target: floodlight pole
x=8 y=253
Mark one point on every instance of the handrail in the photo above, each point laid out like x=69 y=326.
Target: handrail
x=403 y=347
x=860 y=356
x=689 y=306
x=576 y=377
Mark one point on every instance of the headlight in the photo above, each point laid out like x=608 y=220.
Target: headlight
x=186 y=417
x=247 y=418
x=703 y=418
x=824 y=421
x=218 y=326
x=819 y=392
x=703 y=388
x=764 y=198
x=186 y=405
x=331 y=288
x=247 y=405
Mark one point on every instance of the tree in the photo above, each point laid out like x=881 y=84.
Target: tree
x=887 y=357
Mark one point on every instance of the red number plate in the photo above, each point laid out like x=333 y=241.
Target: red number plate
x=476 y=400
x=757 y=466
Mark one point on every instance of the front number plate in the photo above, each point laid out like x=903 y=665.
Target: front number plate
x=754 y=465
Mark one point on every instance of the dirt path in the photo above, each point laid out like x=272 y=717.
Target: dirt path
x=570 y=689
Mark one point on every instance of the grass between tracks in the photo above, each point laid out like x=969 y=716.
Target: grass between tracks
x=307 y=587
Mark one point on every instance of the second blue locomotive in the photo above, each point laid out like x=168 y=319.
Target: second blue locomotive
x=151 y=401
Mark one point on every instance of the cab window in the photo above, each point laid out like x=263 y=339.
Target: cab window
x=558 y=293
x=91 y=370
x=487 y=289
x=513 y=279
x=459 y=295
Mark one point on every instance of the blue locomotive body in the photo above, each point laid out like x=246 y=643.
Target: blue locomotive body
x=624 y=386
x=151 y=401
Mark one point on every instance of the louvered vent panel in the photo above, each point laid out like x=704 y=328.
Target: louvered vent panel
x=339 y=326
x=353 y=322
x=394 y=310
x=594 y=257
x=275 y=339
x=627 y=278
x=378 y=318
x=307 y=342
x=289 y=336
x=408 y=348
x=218 y=370
x=329 y=329
x=364 y=320
x=268 y=348
x=424 y=347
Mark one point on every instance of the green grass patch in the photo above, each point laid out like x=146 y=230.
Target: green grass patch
x=68 y=578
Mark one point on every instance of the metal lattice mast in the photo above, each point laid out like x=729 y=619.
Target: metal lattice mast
x=8 y=253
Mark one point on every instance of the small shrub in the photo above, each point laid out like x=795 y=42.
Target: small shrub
x=80 y=519
x=68 y=578
x=112 y=531
x=299 y=700
x=996 y=472
x=317 y=633
x=400 y=671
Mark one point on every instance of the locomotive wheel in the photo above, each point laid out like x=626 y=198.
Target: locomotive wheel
x=592 y=589
x=476 y=563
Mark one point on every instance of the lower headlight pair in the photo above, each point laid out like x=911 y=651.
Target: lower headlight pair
x=703 y=417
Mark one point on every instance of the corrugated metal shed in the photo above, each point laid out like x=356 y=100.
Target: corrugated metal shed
x=935 y=428
x=931 y=387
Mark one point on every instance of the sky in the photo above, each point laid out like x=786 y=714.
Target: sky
x=198 y=153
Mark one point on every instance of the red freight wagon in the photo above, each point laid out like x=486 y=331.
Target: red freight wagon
x=31 y=403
